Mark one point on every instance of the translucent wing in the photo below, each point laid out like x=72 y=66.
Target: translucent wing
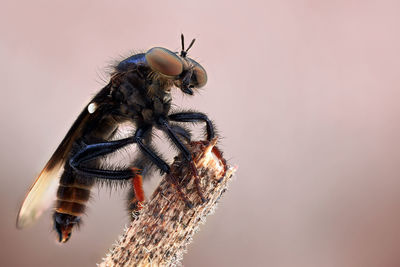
x=43 y=191
x=40 y=196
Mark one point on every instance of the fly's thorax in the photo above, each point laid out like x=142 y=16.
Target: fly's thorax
x=129 y=93
x=159 y=106
x=124 y=85
x=143 y=94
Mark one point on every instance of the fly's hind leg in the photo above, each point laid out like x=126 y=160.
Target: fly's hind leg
x=92 y=152
x=136 y=196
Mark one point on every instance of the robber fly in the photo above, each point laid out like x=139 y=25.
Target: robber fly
x=139 y=92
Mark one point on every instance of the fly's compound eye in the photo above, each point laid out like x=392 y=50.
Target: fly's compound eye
x=164 y=61
x=199 y=76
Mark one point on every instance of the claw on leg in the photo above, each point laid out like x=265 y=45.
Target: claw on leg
x=203 y=152
x=196 y=180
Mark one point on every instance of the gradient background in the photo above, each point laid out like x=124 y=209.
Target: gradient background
x=305 y=94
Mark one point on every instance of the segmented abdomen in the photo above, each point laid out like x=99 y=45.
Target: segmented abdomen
x=73 y=193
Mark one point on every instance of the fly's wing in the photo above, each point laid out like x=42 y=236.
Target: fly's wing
x=41 y=194
x=43 y=191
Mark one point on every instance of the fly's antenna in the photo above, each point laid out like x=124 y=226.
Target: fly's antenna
x=183 y=43
x=183 y=51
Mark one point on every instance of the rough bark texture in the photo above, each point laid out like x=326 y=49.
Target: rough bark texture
x=165 y=225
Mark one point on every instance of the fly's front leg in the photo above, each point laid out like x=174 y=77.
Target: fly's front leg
x=195 y=117
x=161 y=164
x=186 y=153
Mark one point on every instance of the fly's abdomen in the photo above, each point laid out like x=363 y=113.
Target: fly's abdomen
x=72 y=199
x=73 y=193
x=72 y=196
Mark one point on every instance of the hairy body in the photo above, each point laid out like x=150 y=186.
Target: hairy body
x=139 y=91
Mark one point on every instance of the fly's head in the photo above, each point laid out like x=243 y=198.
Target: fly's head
x=184 y=72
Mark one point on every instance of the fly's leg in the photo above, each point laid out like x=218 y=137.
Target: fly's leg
x=186 y=153
x=161 y=164
x=136 y=196
x=93 y=151
x=195 y=117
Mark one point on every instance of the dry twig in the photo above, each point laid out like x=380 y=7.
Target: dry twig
x=166 y=225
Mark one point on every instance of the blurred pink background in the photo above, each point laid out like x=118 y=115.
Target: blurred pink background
x=305 y=94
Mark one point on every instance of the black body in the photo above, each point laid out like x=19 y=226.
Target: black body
x=135 y=93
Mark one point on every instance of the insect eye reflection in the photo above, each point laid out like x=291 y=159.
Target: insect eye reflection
x=164 y=61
